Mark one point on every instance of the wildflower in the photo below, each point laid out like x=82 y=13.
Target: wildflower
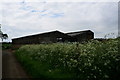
x=106 y=76
x=50 y=70
x=95 y=76
x=75 y=61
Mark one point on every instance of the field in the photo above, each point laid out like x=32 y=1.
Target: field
x=91 y=60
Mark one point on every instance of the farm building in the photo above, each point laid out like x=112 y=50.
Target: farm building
x=55 y=36
x=81 y=36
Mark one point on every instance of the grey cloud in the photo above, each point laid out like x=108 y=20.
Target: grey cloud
x=99 y=17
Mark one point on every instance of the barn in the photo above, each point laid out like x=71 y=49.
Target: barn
x=55 y=36
x=81 y=36
x=48 y=37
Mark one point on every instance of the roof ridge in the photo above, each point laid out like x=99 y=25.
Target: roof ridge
x=39 y=34
x=77 y=31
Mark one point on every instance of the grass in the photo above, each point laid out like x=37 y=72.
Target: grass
x=92 y=60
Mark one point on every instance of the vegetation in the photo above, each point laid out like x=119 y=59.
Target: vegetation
x=6 y=45
x=3 y=36
x=92 y=60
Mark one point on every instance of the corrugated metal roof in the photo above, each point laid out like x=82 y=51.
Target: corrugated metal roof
x=70 y=34
x=40 y=34
x=77 y=33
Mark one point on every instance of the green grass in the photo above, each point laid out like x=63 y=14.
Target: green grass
x=92 y=60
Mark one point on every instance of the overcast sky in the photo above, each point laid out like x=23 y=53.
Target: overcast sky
x=25 y=18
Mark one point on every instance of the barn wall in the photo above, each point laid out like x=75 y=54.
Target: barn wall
x=84 y=37
x=53 y=37
x=42 y=38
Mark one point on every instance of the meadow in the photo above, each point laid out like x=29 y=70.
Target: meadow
x=91 y=60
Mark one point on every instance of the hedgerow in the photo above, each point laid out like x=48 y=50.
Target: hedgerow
x=92 y=60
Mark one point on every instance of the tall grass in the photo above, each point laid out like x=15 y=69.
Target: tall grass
x=93 y=60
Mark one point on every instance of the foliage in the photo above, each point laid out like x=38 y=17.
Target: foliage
x=3 y=36
x=6 y=46
x=92 y=60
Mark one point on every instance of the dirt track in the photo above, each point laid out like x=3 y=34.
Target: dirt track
x=11 y=68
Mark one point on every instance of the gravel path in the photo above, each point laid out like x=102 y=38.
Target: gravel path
x=11 y=68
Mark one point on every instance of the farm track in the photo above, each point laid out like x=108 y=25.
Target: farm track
x=11 y=68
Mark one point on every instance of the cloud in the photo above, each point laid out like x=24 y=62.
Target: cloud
x=24 y=18
x=62 y=0
x=0 y=14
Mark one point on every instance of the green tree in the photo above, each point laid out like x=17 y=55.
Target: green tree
x=3 y=36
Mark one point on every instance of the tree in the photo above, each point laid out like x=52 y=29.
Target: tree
x=3 y=36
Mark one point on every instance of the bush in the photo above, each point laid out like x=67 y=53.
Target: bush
x=93 y=60
x=6 y=46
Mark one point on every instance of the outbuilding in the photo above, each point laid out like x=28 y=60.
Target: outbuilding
x=55 y=36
